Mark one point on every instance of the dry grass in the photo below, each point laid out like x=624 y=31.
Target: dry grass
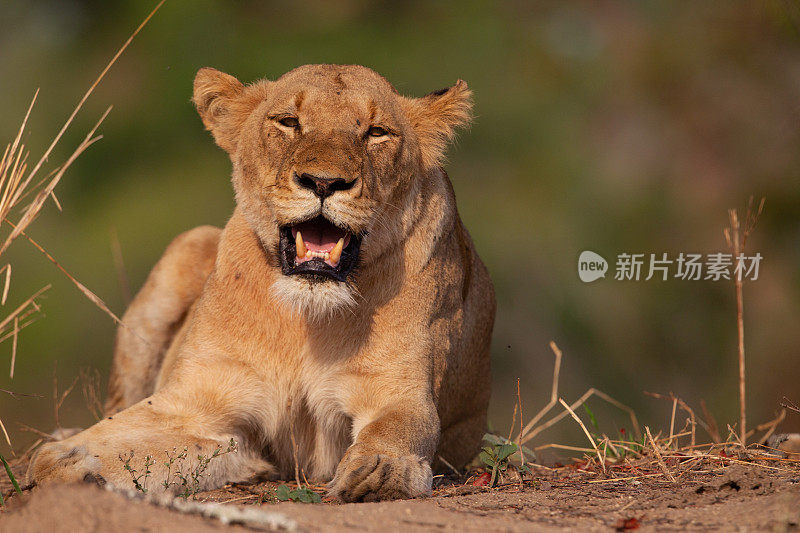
x=18 y=182
x=672 y=455
x=533 y=427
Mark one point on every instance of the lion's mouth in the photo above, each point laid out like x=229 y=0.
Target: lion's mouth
x=318 y=248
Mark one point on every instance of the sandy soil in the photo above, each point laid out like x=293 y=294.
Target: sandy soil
x=726 y=498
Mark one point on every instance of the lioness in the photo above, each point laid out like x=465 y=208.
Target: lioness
x=341 y=319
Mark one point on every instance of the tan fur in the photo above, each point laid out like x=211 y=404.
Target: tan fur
x=374 y=378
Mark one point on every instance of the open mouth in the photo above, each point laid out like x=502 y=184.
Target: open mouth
x=318 y=248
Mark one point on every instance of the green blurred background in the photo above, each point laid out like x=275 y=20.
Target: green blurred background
x=608 y=126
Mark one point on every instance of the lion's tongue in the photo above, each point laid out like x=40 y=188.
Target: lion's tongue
x=319 y=236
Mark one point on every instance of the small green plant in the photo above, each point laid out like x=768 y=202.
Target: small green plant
x=187 y=481
x=592 y=418
x=174 y=459
x=300 y=494
x=497 y=456
x=139 y=483
x=11 y=477
x=631 y=445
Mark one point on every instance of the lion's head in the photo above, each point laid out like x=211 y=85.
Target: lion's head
x=326 y=162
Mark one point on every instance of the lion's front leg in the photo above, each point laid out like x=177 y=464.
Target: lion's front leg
x=391 y=456
x=148 y=446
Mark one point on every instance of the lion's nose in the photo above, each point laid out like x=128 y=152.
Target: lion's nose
x=321 y=185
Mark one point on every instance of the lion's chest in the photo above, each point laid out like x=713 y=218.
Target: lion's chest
x=310 y=415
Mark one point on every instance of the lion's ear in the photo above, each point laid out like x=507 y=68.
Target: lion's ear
x=435 y=118
x=217 y=97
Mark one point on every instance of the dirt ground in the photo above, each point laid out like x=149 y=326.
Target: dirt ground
x=732 y=497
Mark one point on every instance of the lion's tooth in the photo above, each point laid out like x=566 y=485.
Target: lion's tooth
x=301 y=246
x=336 y=253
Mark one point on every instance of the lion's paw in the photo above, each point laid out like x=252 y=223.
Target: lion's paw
x=58 y=462
x=368 y=478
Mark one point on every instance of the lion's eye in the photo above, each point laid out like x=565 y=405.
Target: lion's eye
x=377 y=131
x=290 y=122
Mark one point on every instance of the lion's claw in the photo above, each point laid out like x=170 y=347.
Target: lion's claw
x=369 y=478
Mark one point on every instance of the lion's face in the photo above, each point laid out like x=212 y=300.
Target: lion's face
x=326 y=162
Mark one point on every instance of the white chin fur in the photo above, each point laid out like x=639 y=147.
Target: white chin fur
x=314 y=300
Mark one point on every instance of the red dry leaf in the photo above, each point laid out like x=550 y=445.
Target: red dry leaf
x=580 y=465
x=482 y=480
x=625 y=524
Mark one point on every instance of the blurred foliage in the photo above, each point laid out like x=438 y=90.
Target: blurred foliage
x=609 y=126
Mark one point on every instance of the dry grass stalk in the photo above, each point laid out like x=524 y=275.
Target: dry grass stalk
x=629 y=478
x=677 y=402
x=22 y=325
x=58 y=399
x=600 y=457
x=7 y=283
x=769 y=427
x=672 y=422
x=5 y=434
x=448 y=465
x=577 y=403
x=732 y=236
x=563 y=447
x=710 y=423
x=531 y=429
x=513 y=421
x=736 y=237
x=90 y=387
x=24 y=309
x=788 y=404
x=553 y=395
x=519 y=437
x=85 y=290
x=14 y=347
x=733 y=435
x=31 y=429
x=659 y=458
x=22 y=312
x=18 y=395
